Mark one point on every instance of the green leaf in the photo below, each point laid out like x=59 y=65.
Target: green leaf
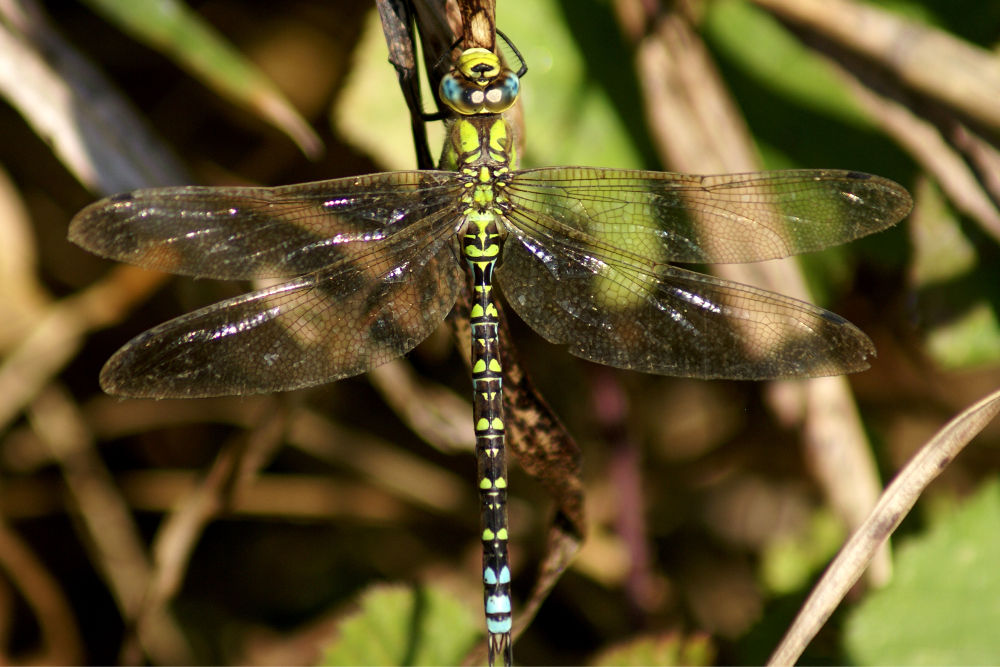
x=943 y=604
x=569 y=116
x=790 y=561
x=969 y=341
x=370 y=112
x=956 y=288
x=399 y=625
x=171 y=27
x=941 y=252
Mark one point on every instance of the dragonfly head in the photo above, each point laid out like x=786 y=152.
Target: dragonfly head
x=479 y=83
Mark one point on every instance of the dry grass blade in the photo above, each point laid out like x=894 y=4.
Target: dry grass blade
x=237 y=464
x=435 y=413
x=71 y=105
x=934 y=133
x=982 y=154
x=118 y=550
x=181 y=34
x=932 y=150
x=440 y=21
x=927 y=59
x=398 y=473
x=395 y=473
x=60 y=636
x=896 y=502
x=397 y=27
x=24 y=297
x=58 y=334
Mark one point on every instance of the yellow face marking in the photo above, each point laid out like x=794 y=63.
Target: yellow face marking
x=470 y=58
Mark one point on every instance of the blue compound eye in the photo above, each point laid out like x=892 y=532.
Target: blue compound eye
x=501 y=95
x=479 y=84
x=463 y=97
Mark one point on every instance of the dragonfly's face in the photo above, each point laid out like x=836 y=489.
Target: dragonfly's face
x=479 y=84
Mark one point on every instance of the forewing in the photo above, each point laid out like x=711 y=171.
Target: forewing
x=333 y=323
x=730 y=218
x=246 y=232
x=658 y=318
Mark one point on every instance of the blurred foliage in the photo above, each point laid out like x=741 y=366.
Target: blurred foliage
x=944 y=600
x=670 y=649
x=400 y=626
x=736 y=527
x=172 y=28
x=788 y=563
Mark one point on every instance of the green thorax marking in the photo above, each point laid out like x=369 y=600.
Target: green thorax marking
x=483 y=140
x=480 y=148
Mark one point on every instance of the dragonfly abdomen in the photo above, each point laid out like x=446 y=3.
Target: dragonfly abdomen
x=481 y=247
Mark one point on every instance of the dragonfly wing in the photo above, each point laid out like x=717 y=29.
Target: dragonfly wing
x=246 y=232
x=329 y=324
x=658 y=318
x=730 y=218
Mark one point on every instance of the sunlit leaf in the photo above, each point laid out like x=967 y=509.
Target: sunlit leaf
x=955 y=294
x=569 y=117
x=944 y=601
x=396 y=625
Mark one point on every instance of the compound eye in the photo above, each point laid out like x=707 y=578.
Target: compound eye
x=460 y=96
x=501 y=95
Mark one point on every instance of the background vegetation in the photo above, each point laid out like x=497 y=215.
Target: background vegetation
x=251 y=530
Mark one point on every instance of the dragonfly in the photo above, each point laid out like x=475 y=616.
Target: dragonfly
x=369 y=266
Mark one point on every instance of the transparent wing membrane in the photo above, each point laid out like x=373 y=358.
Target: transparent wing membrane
x=244 y=233
x=323 y=326
x=730 y=218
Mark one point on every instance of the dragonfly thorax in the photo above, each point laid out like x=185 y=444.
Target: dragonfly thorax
x=484 y=140
x=478 y=149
